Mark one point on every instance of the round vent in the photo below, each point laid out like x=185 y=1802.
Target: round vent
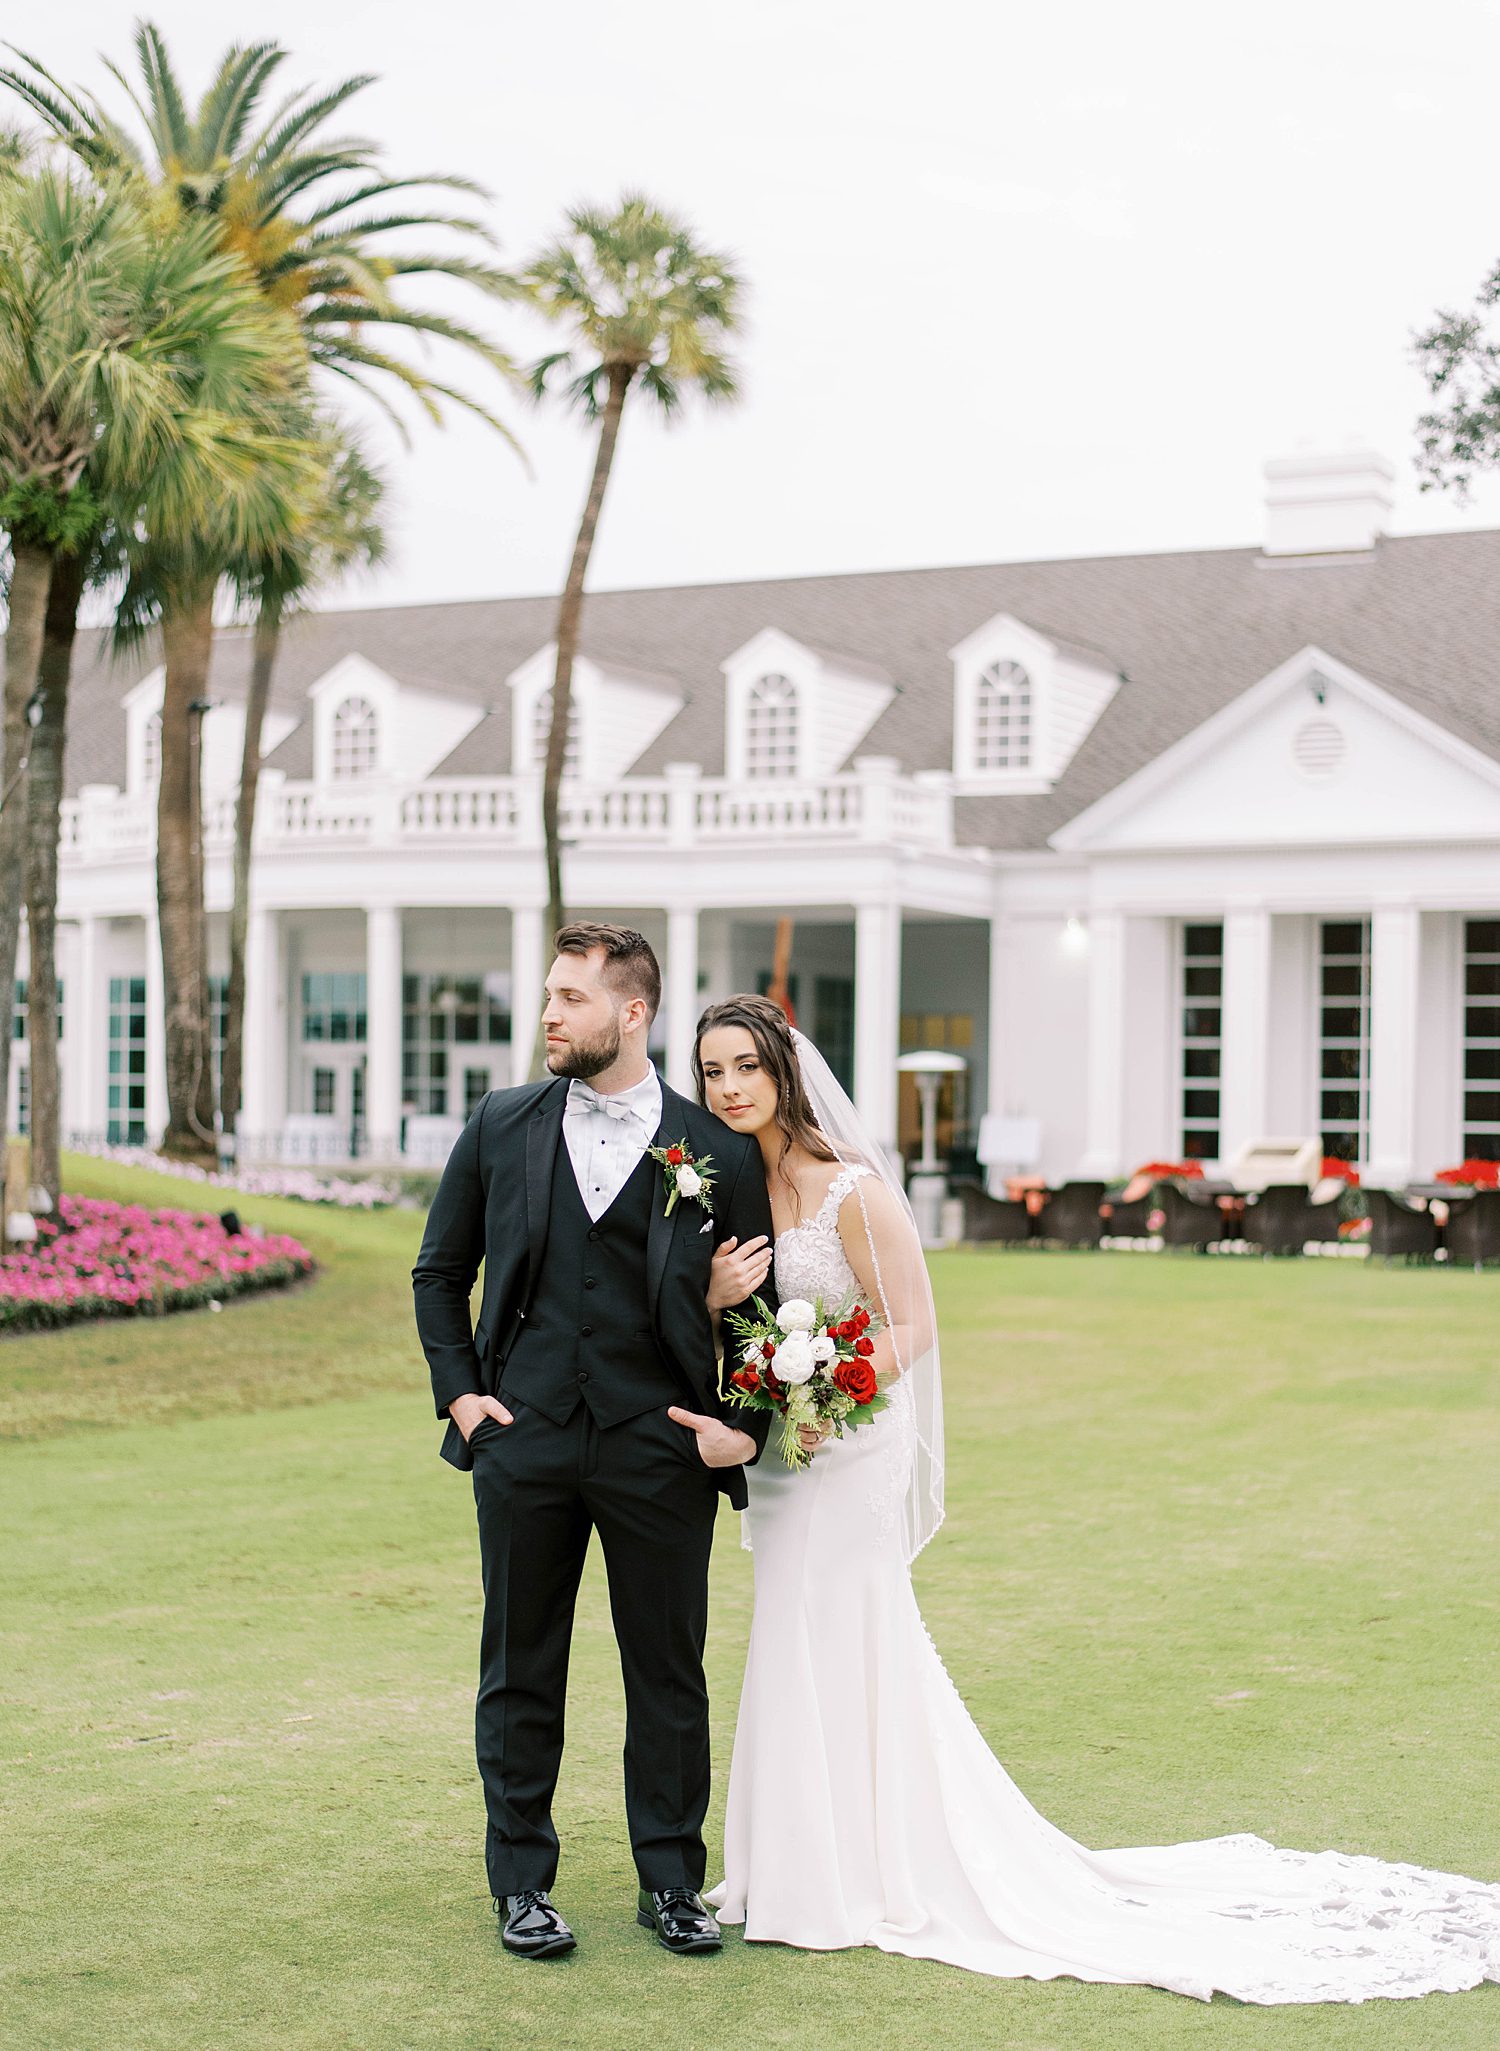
x=1318 y=749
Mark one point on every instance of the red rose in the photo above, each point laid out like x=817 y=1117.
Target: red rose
x=862 y=1318
x=831 y=1331
x=773 y=1386
x=769 y=1350
x=676 y=1156
x=747 y=1379
x=848 y=1329
x=857 y=1379
x=864 y=1347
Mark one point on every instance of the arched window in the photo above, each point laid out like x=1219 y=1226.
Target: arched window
x=771 y=727
x=355 y=738
x=541 y=728
x=1002 y=718
x=151 y=750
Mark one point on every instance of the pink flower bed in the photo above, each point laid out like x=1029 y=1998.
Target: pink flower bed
x=100 y=1259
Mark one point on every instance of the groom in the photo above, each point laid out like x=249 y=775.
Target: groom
x=588 y=1398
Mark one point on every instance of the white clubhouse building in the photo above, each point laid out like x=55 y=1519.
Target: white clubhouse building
x=1177 y=851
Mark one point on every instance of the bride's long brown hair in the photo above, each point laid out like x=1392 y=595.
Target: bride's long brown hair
x=766 y=1023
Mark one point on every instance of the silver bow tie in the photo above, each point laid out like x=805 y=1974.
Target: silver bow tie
x=582 y=1099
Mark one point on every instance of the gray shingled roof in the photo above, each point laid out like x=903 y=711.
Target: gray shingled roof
x=1419 y=615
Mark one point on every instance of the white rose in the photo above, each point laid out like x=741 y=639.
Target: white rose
x=689 y=1181
x=795 y=1315
x=823 y=1348
x=794 y=1359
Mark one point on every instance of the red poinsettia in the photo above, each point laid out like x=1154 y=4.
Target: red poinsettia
x=1473 y=1174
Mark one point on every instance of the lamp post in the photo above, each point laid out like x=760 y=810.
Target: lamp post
x=929 y=1186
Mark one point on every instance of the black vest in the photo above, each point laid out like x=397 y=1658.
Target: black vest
x=587 y=1335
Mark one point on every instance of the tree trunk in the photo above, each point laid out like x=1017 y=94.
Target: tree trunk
x=43 y=826
x=30 y=577
x=262 y=667
x=187 y=634
x=569 y=617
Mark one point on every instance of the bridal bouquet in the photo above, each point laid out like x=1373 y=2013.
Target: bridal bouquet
x=810 y=1364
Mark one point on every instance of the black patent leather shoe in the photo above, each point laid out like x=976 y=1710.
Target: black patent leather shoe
x=531 y=1927
x=680 y=1920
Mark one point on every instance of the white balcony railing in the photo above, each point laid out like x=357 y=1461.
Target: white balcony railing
x=874 y=805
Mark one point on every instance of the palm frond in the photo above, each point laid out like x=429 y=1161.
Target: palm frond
x=171 y=128
x=231 y=100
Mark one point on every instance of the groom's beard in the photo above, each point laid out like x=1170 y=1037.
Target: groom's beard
x=586 y=1058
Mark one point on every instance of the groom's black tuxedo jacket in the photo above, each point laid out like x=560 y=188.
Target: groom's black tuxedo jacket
x=493 y=1206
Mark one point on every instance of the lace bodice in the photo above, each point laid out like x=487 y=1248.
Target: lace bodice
x=811 y=1262
x=810 y=1257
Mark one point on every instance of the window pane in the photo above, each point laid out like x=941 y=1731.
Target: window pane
x=1340 y=937
x=1200 y=1061
x=1202 y=982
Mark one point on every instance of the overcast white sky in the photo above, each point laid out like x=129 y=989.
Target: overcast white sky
x=1022 y=281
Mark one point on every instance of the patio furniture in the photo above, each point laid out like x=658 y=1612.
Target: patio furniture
x=1284 y=1218
x=1132 y=1220
x=1070 y=1216
x=1272 y=1163
x=1472 y=1233
x=1188 y=1220
x=1398 y=1230
x=992 y=1219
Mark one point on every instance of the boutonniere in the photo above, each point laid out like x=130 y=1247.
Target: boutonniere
x=683 y=1175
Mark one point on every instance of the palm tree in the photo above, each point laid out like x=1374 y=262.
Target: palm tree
x=309 y=215
x=136 y=362
x=311 y=218
x=649 y=308
x=342 y=530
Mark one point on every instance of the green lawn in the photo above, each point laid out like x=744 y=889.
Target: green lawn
x=1220 y=1556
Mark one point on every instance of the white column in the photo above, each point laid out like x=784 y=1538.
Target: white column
x=681 y=995
x=156 y=1033
x=87 y=1049
x=1103 y=1154
x=383 y=1030
x=1395 y=973
x=528 y=972
x=877 y=1015
x=263 y=1078
x=1245 y=1028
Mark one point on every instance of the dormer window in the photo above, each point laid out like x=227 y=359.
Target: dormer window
x=151 y=750
x=356 y=739
x=1002 y=718
x=541 y=729
x=771 y=736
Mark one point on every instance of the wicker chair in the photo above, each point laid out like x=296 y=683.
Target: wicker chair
x=1472 y=1233
x=1398 y=1231
x=1070 y=1215
x=1284 y=1218
x=1188 y=1220
x=991 y=1219
x=1133 y=1220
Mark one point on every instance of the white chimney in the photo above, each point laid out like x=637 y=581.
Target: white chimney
x=1330 y=503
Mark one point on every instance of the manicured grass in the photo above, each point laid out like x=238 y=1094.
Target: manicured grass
x=1220 y=1556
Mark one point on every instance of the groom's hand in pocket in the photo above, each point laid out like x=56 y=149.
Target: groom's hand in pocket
x=719 y=1445
x=466 y=1412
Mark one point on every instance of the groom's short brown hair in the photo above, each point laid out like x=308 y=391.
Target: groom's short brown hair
x=630 y=966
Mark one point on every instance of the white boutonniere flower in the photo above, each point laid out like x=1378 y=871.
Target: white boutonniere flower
x=684 y=1175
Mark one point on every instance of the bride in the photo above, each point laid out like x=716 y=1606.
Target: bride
x=864 y=1805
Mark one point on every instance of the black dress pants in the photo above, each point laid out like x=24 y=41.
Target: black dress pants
x=540 y=1488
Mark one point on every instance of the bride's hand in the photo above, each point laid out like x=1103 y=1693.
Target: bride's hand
x=738 y=1271
x=812 y=1436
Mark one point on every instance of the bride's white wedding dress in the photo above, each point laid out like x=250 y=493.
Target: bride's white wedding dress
x=866 y=1809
